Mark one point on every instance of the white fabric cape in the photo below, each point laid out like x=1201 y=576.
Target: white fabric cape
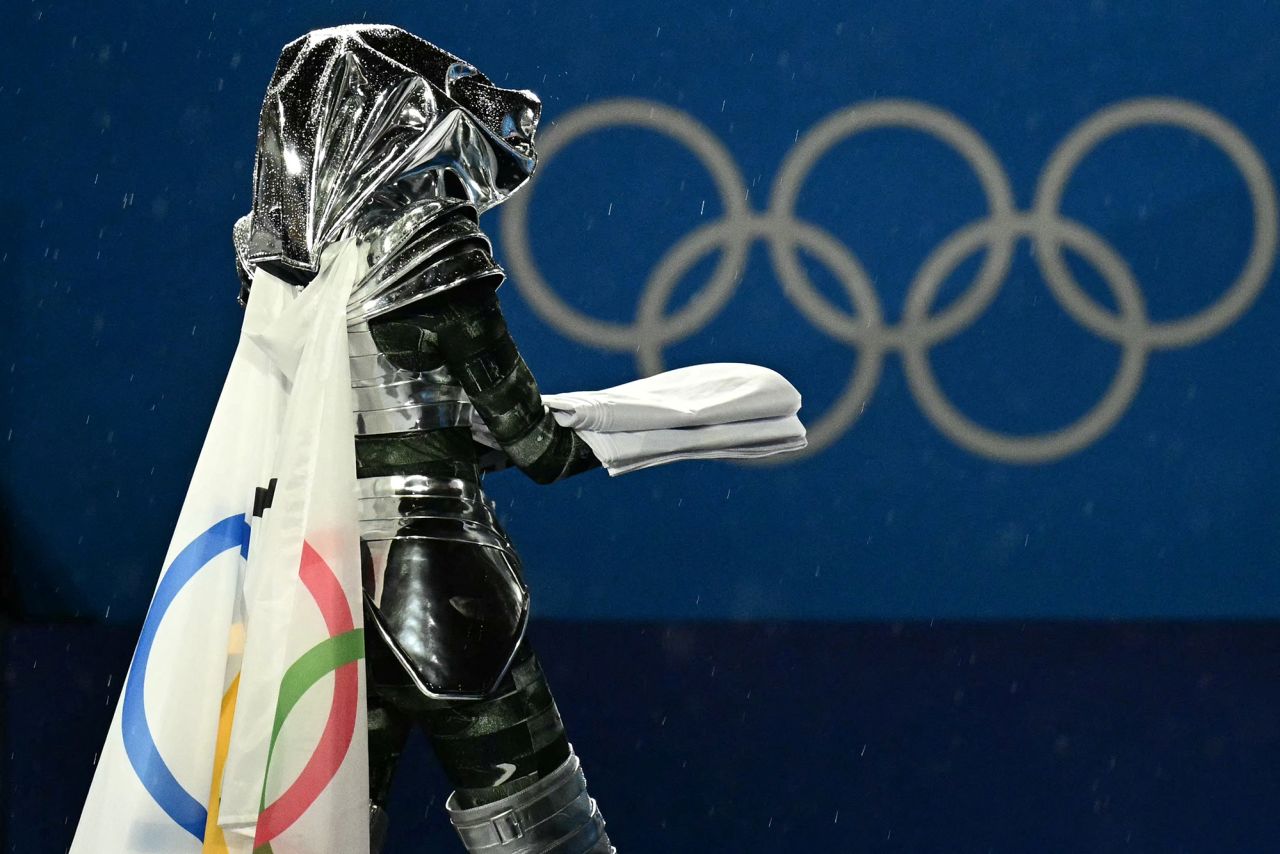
x=241 y=726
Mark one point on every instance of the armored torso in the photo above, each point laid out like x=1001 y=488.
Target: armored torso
x=399 y=379
x=368 y=133
x=441 y=578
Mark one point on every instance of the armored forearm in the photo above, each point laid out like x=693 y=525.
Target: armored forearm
x=481 y=355
x=471 y=336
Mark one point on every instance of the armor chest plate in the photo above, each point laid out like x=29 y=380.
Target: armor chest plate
x=390 y=399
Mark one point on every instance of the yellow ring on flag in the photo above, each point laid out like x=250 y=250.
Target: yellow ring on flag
x=214 y=840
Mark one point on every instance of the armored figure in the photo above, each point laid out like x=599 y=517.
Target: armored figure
x=371 y=134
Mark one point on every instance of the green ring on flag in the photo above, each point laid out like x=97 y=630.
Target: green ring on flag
x=316 y=663
x=338 y=654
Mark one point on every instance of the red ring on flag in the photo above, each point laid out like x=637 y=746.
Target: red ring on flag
x=335 y=740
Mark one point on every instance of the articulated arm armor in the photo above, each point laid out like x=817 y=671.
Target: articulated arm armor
x=467 y=331
x=436 y=348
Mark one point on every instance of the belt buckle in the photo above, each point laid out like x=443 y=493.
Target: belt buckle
x=507 y=826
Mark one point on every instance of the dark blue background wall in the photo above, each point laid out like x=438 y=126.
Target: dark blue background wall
x=770 y=738
x=127 y=151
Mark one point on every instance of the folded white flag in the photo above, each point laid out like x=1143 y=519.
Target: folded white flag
x=696 y=396
x=714 y=411
x=630 y=451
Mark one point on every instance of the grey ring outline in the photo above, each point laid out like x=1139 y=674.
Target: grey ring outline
x=724 y=279
x=1195 y=119
x=852 y=400
x=880 y=115
x=865 y=329
x=1053 y=444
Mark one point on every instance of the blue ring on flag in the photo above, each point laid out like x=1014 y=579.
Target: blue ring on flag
x=139 y=745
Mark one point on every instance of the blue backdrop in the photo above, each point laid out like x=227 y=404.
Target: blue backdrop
x=1084 y=434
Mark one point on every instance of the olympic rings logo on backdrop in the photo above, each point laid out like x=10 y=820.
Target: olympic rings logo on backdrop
x=920 y=329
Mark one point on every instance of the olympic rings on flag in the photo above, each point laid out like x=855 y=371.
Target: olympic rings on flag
x=339 y=654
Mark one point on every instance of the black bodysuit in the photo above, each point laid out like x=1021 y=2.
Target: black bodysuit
x=450 y=617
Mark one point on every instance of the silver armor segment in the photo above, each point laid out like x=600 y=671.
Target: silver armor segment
x=352 y=113
x=387 y=399
x=442 y=582
x=555 y=815
x=413 y=418
x=424 y=507
x=417 y=486
x=412 y=390
x=374 y=368
x=473 y=264
x=415 y=249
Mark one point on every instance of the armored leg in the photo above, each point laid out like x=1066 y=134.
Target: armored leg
x=555 y=814
x=388 y=730
x=519 y=788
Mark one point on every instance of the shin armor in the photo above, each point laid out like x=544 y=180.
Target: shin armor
x=555 y=815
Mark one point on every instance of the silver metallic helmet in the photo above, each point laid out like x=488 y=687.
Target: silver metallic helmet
x=365 y=114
